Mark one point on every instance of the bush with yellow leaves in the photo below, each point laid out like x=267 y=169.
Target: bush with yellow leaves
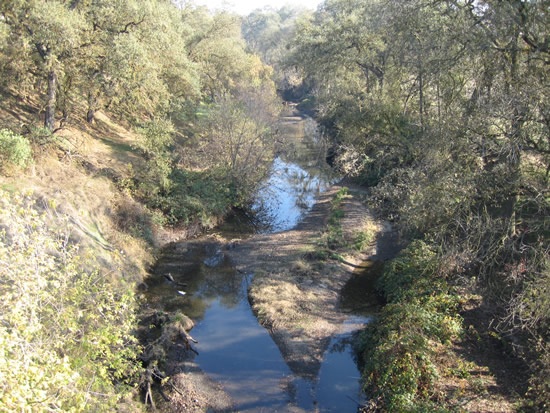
x=65 y=330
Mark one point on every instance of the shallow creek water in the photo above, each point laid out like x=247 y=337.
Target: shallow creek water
x=233 y=348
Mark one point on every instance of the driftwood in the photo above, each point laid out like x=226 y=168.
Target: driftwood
x=162 y=376
x=149 y=392
x=173 y=329
x=171 y=278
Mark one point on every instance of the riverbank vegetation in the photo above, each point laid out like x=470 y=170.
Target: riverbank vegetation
x=136 y=122
x=123 y=125
x=441 y=107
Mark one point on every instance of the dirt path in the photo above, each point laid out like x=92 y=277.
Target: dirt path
x=295 y=294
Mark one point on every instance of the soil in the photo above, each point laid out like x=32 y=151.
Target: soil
x=295 y=294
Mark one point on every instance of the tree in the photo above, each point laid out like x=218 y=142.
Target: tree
x=54 y=31
x=238 y=136
x=217 y=48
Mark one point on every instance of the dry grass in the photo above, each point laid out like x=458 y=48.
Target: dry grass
x=281 y=303
x=475 y=374
x=76 y=179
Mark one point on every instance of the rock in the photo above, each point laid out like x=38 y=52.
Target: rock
x=186 y=322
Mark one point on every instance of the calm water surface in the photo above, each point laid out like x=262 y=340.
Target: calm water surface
x=234 y=349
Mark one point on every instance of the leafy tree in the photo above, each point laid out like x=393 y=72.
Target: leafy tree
x=139 y=64
x=216 y=46
x=238 y=137
x=52 y=33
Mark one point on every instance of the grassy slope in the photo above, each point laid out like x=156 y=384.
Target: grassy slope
x=75 y=179
x=78 y=176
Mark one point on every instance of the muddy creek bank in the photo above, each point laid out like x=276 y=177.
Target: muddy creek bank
x=240 y=365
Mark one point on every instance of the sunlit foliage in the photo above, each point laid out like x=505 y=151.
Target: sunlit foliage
x=65 y=329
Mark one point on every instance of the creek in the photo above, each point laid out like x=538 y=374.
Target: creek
x=234 y=350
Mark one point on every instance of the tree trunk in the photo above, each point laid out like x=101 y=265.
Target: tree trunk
x=49 y=118
x=90 y=115
x=421 y=98
x=514 y=157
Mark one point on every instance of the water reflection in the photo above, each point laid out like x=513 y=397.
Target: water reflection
x=297 y=177
x=338 y=389
x=233 y=348
x=290 y=192
x=359 y=295
x=203 y=285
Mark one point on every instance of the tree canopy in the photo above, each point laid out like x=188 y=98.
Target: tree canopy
x=442 y=108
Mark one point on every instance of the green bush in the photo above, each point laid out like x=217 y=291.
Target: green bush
x=65 y=330
x=398 y=365
x=156 y=136
x=14 y=149
x=398 y=349
x=195 y=196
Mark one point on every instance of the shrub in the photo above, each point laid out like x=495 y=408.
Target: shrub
x=156 y=136
x=398 y=349
x=14 y=149
x=65 y=330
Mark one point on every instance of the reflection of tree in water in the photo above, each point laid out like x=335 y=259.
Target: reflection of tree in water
x=264 y=212
x=341 y=344
x=346 y=342
x=290 y=389
x=297 y=176
x=222 y=283
x=304 y=186
x=225 y=283
x=202 y=285
x=292 y=180
x=309 y=151
x=195 y=307
x=291 y=385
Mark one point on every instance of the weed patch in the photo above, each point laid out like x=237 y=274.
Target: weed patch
x=333 y=238
x=399 y=349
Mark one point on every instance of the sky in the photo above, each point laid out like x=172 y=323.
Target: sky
x=244 y=7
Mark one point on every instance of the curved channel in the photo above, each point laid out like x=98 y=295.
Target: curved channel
x=233 y=349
